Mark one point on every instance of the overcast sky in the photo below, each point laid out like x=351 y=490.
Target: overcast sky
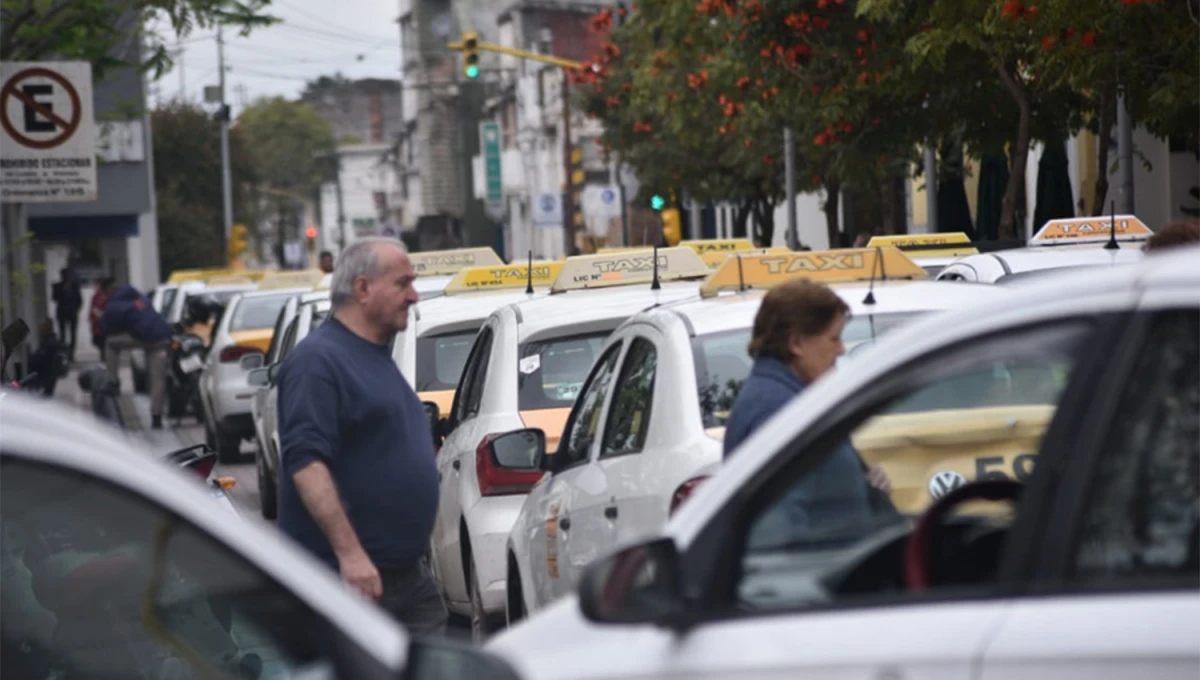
x=360 y=38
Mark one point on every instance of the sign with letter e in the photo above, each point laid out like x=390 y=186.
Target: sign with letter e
x=47 y=132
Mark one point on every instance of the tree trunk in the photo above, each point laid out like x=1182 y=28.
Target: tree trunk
x=1107 y=113
x=741 y=215
x=764 y=218
x=832 y=192
x=1020 y=152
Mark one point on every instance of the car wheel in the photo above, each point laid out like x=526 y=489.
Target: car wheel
x=482 y=623
x=266 y=487
x=514 y=609
x=229 y=447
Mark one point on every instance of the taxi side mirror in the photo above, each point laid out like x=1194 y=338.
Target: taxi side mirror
x=519 y=449
x=273 y=373
x=252 y=361
x=259 y=377
x=433 y=414
x=640 y=584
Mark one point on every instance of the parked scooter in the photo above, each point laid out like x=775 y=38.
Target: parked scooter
x=186 y=358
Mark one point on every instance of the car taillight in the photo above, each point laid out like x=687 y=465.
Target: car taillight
x=681 y=494
x=203 y=466
x=497 y=481
x=234 y=353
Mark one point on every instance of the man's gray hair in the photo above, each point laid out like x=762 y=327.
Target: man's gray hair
x=360 y=259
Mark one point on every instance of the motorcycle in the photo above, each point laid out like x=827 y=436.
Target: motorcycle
x=184 y=361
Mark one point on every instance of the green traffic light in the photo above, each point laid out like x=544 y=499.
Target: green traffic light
x=472 y=71
x=658 y=202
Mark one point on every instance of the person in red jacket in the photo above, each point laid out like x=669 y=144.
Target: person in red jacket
x=96 y=311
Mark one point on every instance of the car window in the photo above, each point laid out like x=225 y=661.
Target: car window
x=167 y=298
x=277 y=335
x=289 y=338
x=470 y=390
x=1142 y=520
x=114 y=586
x=440 y=359
x=808 y=535
x=584 y=420
x=255 y=313
x=629 y=415
x=550 y=372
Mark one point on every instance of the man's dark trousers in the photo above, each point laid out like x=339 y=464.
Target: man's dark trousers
x=68 y=326
x=412 y=598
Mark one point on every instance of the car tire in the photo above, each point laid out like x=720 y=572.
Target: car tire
x=229 y=447
x=482 y=623
x=267 y=493
x=514 y=606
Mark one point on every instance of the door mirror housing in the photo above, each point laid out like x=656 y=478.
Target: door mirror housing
x=519 y=449
x=433 y=414
x=252 y=361
x=640 y=584
x=259 y=377
x=437 y=658
x=273 y=373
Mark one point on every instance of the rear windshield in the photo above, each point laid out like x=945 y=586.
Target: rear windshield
x=551 y=372
x=168 y=297
x=723 y=361
x=257 y=313
x=440 y=359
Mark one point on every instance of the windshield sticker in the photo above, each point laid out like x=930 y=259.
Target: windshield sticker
x=530 y=364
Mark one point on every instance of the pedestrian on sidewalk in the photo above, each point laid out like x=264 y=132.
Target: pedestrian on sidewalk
x=326 y=262
x=358 y=485
x=68 y=300
x=96 y=311
x=49 y=361
x=131 y=322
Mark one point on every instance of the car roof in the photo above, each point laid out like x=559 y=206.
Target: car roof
x=1034 y=258
x=573 y=308
x=47 y=432
x=737 y=310
x=283 y=292
x=913 y=340
x=454 y=310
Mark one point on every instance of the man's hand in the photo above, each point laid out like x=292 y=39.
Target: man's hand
x=877 y=478
x=358 y=571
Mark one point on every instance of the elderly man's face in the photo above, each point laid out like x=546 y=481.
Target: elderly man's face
x=387 y=298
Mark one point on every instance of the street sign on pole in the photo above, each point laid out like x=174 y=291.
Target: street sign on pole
x=489 y=142
x=47 y=132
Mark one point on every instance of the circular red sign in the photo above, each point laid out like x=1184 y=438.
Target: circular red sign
x=68 y=126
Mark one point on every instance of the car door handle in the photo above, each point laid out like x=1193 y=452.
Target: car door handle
x=564 y=523
x=610 y=512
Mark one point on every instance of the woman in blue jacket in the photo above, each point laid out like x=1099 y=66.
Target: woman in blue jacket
x=797 y=339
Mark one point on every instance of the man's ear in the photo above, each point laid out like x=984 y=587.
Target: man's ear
x=360 y=288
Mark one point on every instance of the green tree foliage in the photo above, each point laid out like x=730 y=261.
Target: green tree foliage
x=98 y=30
x=187 y=181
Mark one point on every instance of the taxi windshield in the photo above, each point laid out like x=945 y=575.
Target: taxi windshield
x=722 y=360
x=551 y=372
x=440 y=359
x=257 y=313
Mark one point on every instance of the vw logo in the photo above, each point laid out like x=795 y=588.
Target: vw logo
x=944 y=482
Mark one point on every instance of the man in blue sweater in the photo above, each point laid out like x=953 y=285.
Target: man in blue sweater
x=131 y=322
x=358 y=484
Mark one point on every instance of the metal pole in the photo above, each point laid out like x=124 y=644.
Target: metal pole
x=931 y=224
x=693 y=209
x=568 y=207
x=341 y=219
x=789 y=164
x=226 y=182
x=1125 y=149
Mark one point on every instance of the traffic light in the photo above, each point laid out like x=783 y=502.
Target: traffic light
x=239 y=241
x=311 y=236
x=672 y=226
x=657 y=202
x=471 y=55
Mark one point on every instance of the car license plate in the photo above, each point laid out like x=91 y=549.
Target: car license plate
x=191 y=364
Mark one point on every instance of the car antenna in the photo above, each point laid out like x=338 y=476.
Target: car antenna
x=741 y=276
x=654 y=284
x=870 y=298
x=1112 y=229
x=529 y=275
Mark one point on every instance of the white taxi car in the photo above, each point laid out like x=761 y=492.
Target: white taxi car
x=1060 y=244
x=649 y=448
x=1092 y=570
x=431 y=352
x=117 y=568
x=524 y=370
x=239 y=341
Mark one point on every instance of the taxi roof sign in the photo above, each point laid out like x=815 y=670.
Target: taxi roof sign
x=759 y=272
x=303 y=278
x=918 y=246
x=605 y=270
x=503 y=277
x=184 y=275
x=229 y=280
x=1091 y=230
x=720 y=245
x=715 y=258
x=446 y=262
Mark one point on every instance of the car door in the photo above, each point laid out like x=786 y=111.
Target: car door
x=564 y=534
x=791 y=580
x=102 y=582
x=258 y=406
x=457 y=450
x=270 y=412
x=1122 y=561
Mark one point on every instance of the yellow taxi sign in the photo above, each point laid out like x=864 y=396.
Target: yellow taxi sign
x=303 y=278
x=229 y=280
x=503 y=277
x=622 y=249
x=715 y=258
x=917 y=246
x=718 y=245
x=604 y=270
x=186 y=275
x=759 y=272
x=1091 y=230
x=445 y=262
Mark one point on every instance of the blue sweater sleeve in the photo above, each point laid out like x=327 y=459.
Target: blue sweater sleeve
x=308 y=412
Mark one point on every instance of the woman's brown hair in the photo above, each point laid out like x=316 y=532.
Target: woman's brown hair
x=1174 y=234
x=800 y=307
